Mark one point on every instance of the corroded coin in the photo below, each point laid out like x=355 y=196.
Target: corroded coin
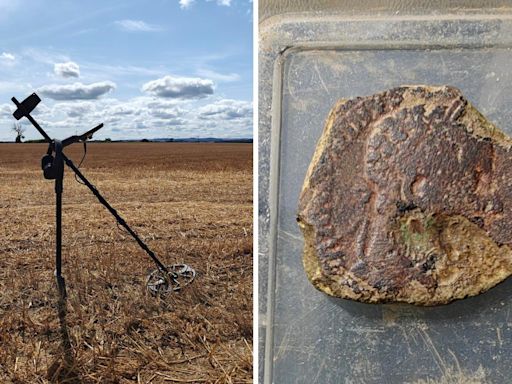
x=408 y=198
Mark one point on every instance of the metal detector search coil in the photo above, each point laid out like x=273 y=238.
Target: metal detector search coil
x=162 y=283
x=164 y=279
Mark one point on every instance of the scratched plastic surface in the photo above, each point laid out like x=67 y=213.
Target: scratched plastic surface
x=318 y=339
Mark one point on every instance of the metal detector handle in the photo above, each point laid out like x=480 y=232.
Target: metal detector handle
x=83 y=137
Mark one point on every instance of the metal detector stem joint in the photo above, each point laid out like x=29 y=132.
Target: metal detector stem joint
x=53 y=168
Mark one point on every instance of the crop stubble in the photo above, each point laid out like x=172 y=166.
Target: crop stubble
x=191 y=203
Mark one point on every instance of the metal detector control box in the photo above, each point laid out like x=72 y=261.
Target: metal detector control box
x=164 y=279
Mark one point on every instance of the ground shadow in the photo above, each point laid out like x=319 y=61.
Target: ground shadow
x=64 y=368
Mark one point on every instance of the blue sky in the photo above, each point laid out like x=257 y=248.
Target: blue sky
x=159 y=68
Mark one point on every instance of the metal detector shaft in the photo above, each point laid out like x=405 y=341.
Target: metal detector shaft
x=58 y=234
x=119 y=219
x=59 y=180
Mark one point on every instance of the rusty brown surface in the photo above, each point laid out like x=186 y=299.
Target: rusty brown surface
x=408 y=198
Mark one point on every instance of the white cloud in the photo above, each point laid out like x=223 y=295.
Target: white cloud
x=140 y=117
x=226 y=109
x=123 y=110
x=168 y=122
x=155 y=103
x=167 y=113
x=67 y=69
x=77 y=91
x=186 y=3
x=136 y=26
x=6 y=111
x=7 y=59
x=6 y=56
x=179 y=87
x=42 y=110
x=228 y=77
x=74 y=109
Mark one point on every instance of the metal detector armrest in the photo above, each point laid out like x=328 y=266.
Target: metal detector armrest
x=26 y=106
x=23 y=110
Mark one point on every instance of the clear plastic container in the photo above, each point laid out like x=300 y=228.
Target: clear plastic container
x=307 y=63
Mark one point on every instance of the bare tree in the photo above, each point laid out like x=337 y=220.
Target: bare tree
x=19 y=130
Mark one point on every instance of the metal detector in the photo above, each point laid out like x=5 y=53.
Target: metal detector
x=164 y=279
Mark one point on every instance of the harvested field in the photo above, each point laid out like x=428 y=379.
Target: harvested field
x=191 y=203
